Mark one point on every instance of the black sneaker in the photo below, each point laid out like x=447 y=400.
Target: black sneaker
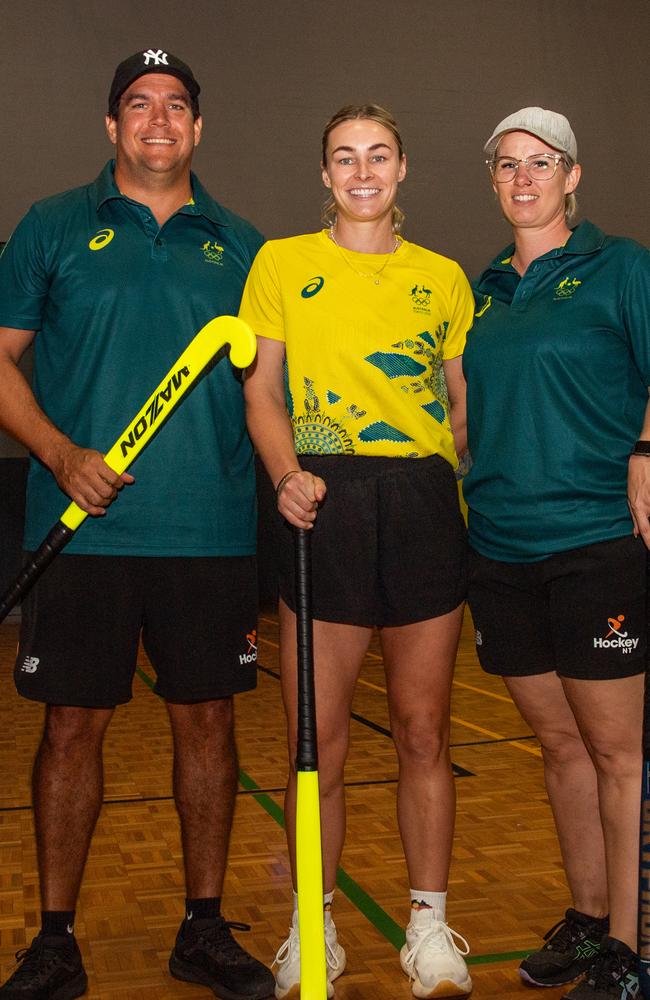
x=206 y=952
x=50 y=969
x=614 y=974
x=570 y=949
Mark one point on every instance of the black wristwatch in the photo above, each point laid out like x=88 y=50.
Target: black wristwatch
x=641 y=448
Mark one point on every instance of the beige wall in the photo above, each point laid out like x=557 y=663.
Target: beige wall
x=273 y=72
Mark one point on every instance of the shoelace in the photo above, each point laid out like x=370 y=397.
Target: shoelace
x=436 y=938
x=219 y=941
x=36 y=963
x=286 y=950
x=607 y=967
x=330 y=954
x=562 y=934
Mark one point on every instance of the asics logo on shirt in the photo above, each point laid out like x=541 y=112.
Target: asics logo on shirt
x=101 y=239
x=313 y=287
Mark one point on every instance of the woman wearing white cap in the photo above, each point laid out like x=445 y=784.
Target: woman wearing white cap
x=558 y=365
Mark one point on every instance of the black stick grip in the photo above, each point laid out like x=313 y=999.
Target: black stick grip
x=307 y=750
x=57 y=538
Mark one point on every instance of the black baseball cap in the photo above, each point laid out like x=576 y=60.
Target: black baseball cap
x=151 y=61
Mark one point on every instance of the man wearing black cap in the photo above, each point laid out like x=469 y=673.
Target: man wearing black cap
x=111 y=281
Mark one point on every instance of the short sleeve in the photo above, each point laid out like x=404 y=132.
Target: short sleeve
x=261 y=304
x=635 y=308
x=461 y=315
x=24 y=280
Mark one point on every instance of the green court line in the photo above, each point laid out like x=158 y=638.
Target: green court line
x=506 y=956
x=366 y=905
x=145 y=677
x=266 y=802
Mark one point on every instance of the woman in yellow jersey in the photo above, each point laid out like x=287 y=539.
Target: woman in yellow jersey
x=356 y=405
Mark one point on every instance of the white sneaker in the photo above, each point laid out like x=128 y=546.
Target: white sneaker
x=287 y=959
x=432 y=959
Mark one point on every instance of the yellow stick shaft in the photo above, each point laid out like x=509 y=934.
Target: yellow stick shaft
x=180 y=377
x=309 y=873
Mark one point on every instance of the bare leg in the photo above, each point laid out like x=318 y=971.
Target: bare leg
x=419 y=661
x=610 y=716
x=205 y=783
x=571 y=785
x=338 y=654
x=67 y=789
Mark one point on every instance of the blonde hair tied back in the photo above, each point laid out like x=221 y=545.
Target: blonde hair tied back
x=351 y=112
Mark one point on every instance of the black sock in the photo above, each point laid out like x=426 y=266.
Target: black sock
x=58 y=923
x=208 y=908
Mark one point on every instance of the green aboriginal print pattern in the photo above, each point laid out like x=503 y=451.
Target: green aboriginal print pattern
x=317 y=434
x=413 y=365
x=381 y=431
x=428 y=347
x=395 y=365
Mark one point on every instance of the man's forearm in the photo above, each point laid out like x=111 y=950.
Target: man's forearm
x=22 y=418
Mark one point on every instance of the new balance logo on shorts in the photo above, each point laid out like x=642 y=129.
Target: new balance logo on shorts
x=616 y=638
x=30 y=664
x=250 y=656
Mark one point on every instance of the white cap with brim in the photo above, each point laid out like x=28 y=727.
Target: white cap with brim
x=550 y=126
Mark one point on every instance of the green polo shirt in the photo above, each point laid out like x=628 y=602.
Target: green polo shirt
x=115 y=299
x=557 y=365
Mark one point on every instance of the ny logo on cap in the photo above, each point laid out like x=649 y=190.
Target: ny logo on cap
x=159 y=57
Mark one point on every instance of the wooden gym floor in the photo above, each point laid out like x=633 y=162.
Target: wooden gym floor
x=507 y=886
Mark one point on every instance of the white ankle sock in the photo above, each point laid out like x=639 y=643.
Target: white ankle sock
x=328 y=899
x=437 y=901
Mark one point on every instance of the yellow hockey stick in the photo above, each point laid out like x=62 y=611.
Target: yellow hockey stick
x=309 y=859
x=179 y=379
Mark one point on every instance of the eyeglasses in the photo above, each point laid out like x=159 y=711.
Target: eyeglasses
x=540 y=166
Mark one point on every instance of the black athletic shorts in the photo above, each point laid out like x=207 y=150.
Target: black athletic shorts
x=82 y=621
x=389 y=544
x=581 y=613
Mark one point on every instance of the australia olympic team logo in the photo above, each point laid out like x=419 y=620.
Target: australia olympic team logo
x=101 y=239
x=566 y=288
x=313 y=287
x=421 y=298
x=212 y=252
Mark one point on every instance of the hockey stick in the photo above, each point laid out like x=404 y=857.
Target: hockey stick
x=309 y=860
x=179 y=379
x=644 y=855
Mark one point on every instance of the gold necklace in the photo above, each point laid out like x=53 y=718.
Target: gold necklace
x=362 y=274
